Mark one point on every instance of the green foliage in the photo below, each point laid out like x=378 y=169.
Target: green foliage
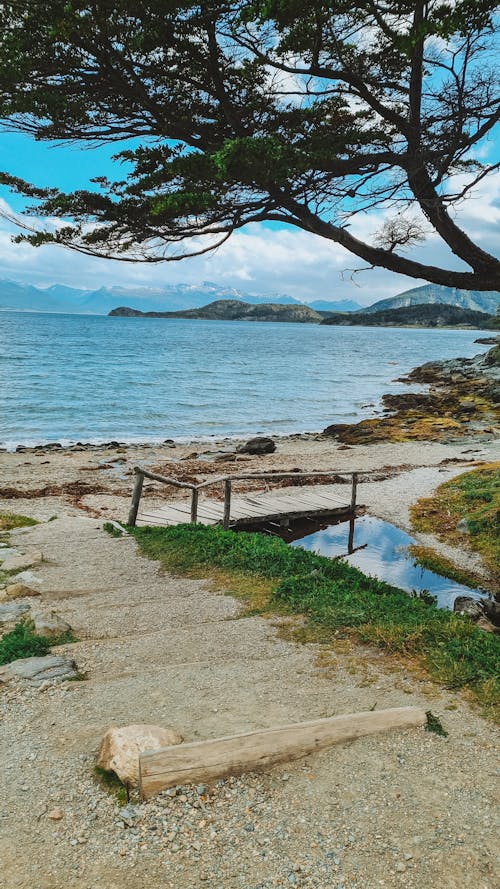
x=112 y=530
x=473 y=497
x=110 y=781
x=435 y=725
x=21 y=642
x=338 y=598
x=246 y=112
x=10 y=520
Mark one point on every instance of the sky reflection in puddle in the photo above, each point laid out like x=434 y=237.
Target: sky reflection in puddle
x=384 y=555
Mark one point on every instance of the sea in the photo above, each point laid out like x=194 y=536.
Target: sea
x=89 y=378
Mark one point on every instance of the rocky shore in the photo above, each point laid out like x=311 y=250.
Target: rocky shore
x=463 y=399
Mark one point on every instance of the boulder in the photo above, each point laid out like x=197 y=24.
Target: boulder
x=50 y=625
x=19 y=591
x=121 y=745
x=492 y=611
x=466 y=605
x=258 y=446
x=39 y=669
x=19 y=563
x=11 y=612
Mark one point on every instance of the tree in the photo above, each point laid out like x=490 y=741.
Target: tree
x=244 y=111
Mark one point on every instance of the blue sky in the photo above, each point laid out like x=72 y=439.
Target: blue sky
x=261 y=259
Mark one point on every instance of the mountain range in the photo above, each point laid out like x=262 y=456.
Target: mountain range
x=173 y=297
x=180 y=297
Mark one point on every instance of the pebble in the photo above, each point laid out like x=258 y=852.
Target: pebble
x=55 y=814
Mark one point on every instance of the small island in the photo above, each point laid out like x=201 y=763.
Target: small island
x=425 y=315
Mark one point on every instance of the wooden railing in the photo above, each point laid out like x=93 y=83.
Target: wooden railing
x=227 y=480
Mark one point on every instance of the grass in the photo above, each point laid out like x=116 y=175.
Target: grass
x=336 y=599
x=9 y=520
x=475 y=497
x=112 y=530
x=110 y=781
x=429 y=558
x=22 y=642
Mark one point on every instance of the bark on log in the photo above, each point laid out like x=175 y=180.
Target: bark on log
x=202 y=761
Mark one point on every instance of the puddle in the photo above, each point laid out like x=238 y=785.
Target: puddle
x=377 y=548
x=384 y=554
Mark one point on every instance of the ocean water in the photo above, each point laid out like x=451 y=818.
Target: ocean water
x=71 y=378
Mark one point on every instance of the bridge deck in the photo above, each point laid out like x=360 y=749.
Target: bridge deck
x=291 y=502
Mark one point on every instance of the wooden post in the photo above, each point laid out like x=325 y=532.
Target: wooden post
x=136 y=497
x=354 y=489
x=202 y=761
x=227 y=504
x=194 y=506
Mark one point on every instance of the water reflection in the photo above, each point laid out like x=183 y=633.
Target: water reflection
x=378 y=549
x=381 y=550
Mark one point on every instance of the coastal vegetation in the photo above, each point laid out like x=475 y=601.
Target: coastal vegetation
x=234 y=113
x=423 y=315
x=337 y=601
x=11 y=520
x=465 y=512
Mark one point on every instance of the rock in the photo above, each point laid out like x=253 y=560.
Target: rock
x=19 y=591
x=129 y=814
x=466 y=605
x=492 y=611
x=49 y=624
x=39 y=669
x=55 y=814
x=258 y=446
x=463 y=526
x=11 y=612
x=19 y=563
x=121 y=745
x=466 y=407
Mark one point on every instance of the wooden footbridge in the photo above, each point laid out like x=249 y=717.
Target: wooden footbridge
x=280 y=505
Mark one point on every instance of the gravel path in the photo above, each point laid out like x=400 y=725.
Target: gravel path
x=407 y=809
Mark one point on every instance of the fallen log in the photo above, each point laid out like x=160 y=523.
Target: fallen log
x=202 y=761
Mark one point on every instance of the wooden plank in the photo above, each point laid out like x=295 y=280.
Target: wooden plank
x=202 y=761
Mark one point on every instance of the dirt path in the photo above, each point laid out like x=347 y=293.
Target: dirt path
x=406 y=809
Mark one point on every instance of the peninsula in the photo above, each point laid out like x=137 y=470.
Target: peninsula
x=425 y=315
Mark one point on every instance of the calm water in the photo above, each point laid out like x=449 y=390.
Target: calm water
x=88 y=378
x=385 y=556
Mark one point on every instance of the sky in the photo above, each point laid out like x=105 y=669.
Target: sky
x=261 y=259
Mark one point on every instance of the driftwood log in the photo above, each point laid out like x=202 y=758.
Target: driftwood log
x=202 y=761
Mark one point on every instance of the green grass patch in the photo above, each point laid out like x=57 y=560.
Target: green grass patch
x=22 y=642
x=112 y=530
x=435 y=725
x=9 y=520
x=110 y=782
x=335 y=598
x=473 y=497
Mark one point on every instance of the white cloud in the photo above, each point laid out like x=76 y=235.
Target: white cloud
x=259 y=259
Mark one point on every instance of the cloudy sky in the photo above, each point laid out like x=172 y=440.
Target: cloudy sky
x=261 y=259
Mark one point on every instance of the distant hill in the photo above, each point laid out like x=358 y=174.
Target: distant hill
x=423 y=315
x=343 y=305
x=232 y=310
x=436 y=294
